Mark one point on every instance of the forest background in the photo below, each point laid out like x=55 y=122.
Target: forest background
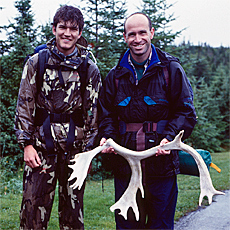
x=206 y=67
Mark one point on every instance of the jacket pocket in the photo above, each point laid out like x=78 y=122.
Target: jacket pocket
x=157 y=108
x=155 y=101
x=122 y=104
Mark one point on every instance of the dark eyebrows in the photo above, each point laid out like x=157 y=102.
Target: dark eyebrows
x=131 y=33
x=143 y=31
x=72 y=27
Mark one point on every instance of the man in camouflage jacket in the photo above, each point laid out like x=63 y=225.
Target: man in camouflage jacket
x=60 y=94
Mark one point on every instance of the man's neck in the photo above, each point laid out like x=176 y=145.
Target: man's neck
x=136 y=62
x=142 y=57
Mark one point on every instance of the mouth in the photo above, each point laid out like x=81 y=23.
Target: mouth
x=66 y=40
x=140 y=46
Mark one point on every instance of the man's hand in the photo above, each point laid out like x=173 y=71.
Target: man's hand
x=107 y=150
x=31 y=157
x=162 y=151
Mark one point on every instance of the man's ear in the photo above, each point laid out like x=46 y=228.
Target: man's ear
x=124 y=37
x=54 y=30
x=152 y=32
x=80 y=33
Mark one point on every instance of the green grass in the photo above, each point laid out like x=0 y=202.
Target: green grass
x=96 y=202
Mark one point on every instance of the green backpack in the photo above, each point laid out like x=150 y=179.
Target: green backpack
x=188 y=165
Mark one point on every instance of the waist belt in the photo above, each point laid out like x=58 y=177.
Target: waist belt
x=142 y=129
x=44 y=118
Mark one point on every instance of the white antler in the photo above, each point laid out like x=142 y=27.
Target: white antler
x=128 y=199
x=81 y=166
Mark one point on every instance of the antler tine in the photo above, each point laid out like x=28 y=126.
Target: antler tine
x=128 y=199
x=81 y=165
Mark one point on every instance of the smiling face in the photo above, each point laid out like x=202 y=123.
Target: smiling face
x=138 y=36
x=66 y=34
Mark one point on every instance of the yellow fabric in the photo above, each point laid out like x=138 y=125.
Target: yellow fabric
x=215 y=167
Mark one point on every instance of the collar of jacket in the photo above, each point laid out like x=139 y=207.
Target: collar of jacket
x=72 y=61
x=124 y=62
x=80 y=49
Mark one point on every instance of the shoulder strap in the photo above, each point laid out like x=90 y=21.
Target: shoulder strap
x=166 y=75
x=83 y=72
x=43 y=56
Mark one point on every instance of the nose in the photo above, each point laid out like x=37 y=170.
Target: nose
x=67 y=32
x=137 y=38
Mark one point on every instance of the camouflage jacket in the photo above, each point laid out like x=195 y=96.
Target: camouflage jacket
x=56 y=99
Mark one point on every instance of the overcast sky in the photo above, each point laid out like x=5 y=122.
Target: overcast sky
x=207 y=21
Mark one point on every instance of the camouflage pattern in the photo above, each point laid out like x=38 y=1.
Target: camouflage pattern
x=39 y=183
x=56 y=99
x=38 y=194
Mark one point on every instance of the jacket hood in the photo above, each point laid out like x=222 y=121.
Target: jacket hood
x=165 y=57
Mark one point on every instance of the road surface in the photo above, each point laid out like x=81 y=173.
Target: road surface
x=212 y=217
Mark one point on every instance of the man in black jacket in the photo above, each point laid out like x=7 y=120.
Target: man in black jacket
x=145 y=101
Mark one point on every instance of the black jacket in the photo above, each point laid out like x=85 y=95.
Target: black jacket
x=152 y=99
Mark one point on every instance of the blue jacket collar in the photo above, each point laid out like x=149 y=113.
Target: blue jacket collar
x=125 y=60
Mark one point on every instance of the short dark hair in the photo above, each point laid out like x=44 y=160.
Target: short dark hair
x=149 y=20
x=69 y=13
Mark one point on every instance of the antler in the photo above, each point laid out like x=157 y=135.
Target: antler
x=128 y=199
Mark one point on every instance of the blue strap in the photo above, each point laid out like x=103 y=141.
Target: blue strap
x=45 y=119
x=48 y=135
x=71 y=135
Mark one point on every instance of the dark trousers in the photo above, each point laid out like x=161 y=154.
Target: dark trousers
x=38 y=195
x=157 y=209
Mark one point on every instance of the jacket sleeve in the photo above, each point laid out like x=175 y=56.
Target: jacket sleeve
x=90 y=107
x=25 y=110
x=182 y=115
x=108 y=117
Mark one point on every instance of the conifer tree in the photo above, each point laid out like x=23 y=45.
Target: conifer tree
x=157 y=12
x=21 y=34
x=103 y=30
x=20 y=39
x=46 y=33
x=207 y=133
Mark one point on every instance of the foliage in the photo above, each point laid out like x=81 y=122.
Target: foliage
x=157 y=12
x=11 y=176
x=98 y=170
x=46 y=33
x=21 y=34
x=210 y=81
x=21 y=37
x=209 y=125
x=103 y=30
